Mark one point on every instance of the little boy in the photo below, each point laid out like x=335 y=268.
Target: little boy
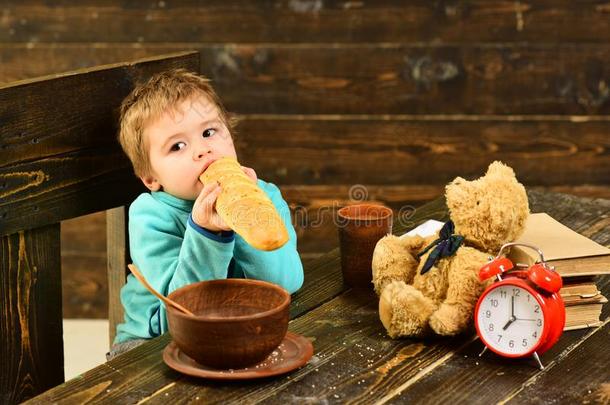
x=172 y=128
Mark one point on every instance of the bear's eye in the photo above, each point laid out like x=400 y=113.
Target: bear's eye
x=478 y=202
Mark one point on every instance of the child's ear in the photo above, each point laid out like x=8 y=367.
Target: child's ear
x=151 y=183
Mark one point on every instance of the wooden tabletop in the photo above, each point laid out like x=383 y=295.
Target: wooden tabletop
x=356 y=362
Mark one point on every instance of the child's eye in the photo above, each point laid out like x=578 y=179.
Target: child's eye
x=177 y=146
x=208 y=132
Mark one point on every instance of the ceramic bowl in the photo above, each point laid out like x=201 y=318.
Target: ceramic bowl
x=237 y=322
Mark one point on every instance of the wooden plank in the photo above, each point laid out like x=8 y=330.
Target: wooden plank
x=58 y=146
x=117 y=241
x=53 y=115
x=584 y=190
x=401 y=79
x=588 y=219
x=84 y=286
x=305 y=21
x=30 y=313
x=391 y=78
x=66 y=186
x=424 y=151
x=83 y=267
x=419 y=79
x=588 y=360
x=84 y=235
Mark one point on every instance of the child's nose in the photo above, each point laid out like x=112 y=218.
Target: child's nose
x=201 y=150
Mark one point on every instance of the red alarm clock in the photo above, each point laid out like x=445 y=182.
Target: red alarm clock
x=522 y=314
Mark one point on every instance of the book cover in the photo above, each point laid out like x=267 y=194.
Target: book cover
x=571 y=253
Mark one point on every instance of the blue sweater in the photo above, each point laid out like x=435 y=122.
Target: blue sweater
x=172 y=251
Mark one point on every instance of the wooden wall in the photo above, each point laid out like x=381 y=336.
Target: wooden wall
x=396 y=98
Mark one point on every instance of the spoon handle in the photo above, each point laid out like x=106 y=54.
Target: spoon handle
x=163 y=298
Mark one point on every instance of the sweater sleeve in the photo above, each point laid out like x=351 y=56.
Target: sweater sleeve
x=170 y=254
x=282 y=266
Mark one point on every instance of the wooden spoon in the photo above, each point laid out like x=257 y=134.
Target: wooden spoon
x=163 y=298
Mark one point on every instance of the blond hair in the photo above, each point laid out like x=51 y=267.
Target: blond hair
x=147 y=102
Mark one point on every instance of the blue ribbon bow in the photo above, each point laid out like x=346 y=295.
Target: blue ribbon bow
x=446 y=245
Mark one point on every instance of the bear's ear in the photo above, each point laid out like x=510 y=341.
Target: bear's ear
x=458 y=191
x=499 y=169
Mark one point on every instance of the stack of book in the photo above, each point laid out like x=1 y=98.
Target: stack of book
x=578 y=260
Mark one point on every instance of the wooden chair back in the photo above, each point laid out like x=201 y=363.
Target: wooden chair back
x=59 y=159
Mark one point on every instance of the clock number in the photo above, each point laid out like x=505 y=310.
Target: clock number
x=535 y=334
x=524 y=343
x=502 y=294
x=499 y=338
x=537 y=309
x=511 y=343
x=528 y=298
x=539 y=322
x=516 y=292
x=494 y=303
x=488 y=314
x=491 y=327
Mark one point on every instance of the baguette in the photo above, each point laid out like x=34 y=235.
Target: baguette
x=245 y=207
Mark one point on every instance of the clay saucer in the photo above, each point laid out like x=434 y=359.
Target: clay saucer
x=294 y=351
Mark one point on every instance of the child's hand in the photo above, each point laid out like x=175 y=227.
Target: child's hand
x=204 y=210
x=250 y=172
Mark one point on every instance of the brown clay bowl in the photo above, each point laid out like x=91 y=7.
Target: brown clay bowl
x=237 y=322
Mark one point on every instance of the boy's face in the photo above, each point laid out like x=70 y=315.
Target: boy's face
x=182 y=144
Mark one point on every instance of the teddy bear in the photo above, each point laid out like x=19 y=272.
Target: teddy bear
x=430 y=285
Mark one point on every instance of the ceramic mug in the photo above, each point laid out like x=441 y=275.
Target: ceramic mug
x=360 y=228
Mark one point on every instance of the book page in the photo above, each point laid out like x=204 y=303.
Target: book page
x=556 y=240
x=428 y=228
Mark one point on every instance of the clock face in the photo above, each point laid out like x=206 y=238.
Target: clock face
x=510 y=320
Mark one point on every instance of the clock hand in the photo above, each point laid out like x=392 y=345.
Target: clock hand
x=512 y=313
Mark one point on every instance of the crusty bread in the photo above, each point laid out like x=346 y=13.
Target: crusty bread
x=245 y=207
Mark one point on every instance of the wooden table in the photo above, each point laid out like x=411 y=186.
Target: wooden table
x=355 y=361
